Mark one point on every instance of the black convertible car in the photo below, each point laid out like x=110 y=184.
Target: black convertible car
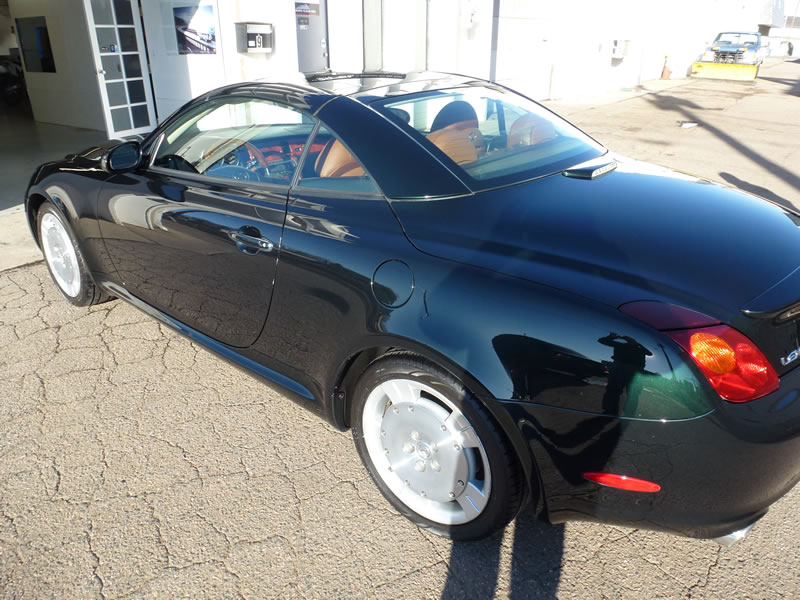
x=501 y=310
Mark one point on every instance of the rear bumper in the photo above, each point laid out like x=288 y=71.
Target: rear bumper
x=718 y=473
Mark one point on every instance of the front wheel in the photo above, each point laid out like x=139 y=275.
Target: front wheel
x=434 y=450
x=64 y=259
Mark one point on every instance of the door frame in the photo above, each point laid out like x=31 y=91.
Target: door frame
x=100 y=74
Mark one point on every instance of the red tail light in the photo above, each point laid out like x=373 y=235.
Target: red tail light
x=734 y=365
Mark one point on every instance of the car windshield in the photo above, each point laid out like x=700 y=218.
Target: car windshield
x=490 y=136
x=748 y=39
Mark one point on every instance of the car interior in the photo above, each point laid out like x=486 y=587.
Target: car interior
x=256 y=140
x=266 y=154
x=491 y=138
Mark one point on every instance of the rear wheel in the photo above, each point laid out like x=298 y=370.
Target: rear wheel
x=64 y=259
x=434 y=450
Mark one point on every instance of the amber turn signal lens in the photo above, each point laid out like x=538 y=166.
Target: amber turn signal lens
x=733 y=364
x=712 y=352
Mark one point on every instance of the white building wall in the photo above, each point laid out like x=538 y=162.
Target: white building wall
x=567 y=49
x=346 y=35
x=7 y=39
x=404 y=38
x=772 y=13
x=177 y=78
x=460 y=36
x=70 y=96
x=781 y=37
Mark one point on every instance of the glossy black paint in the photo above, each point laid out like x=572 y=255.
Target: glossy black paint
x=172 y=240
x=514 y=290
x=732 y=463
x=638 y=233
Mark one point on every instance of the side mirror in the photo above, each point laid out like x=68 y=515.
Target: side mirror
x=124 y=157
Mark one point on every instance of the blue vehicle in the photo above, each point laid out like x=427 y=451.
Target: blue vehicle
x=736 y=48
x=733 y=55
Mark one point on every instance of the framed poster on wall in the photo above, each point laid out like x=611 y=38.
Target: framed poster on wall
x=189 y=26
x=195 y=29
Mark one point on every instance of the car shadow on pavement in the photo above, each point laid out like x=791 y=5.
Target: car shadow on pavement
x=685 y=108
x=535 y=554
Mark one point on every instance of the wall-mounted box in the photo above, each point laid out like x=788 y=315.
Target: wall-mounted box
x=253 y=38
x=619 y=49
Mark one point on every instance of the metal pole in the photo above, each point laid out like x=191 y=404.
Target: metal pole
x=427 y=33
x=495 y=28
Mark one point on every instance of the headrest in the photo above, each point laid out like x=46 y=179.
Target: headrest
x=455 y=112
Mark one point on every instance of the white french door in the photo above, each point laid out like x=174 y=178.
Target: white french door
x=115 y=28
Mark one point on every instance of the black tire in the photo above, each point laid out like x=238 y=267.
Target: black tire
x=506 y=480
x=88 y=292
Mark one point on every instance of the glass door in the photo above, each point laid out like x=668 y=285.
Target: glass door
x=115 y=28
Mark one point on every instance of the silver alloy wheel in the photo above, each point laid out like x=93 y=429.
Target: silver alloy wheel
x=60 y=255
x=426 y=451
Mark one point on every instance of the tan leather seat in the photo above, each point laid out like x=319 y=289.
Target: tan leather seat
x=529 y=130
x=455 y=129
x=336 y=161
x=456 y=142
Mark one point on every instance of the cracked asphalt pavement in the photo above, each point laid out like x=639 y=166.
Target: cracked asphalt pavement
x=135 y=464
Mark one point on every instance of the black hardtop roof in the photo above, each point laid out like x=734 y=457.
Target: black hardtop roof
x=319 y=88
x=385 y=83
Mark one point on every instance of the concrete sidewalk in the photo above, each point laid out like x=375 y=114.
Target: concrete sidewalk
x=17 y=247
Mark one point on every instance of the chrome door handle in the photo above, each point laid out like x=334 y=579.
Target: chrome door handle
x=251 y=244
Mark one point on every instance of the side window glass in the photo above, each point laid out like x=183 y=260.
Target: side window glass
x=329 y=165
x=237 y=138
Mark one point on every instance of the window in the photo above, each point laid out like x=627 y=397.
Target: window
x=493 y=137
x=329 y=165
x=748 y=39
x=35 y=43
x=237 y=138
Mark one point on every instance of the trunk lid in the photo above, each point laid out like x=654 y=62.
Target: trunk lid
x=640 y=232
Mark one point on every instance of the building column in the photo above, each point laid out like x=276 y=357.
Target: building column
x=373 y=35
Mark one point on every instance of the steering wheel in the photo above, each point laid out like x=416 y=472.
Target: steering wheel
x=232 y=172
x=255 y=153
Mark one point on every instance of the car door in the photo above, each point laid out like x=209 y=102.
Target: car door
x=196 y=232
x=339 y=232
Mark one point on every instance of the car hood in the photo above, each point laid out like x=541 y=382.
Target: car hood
x=731 y=46
x=638 y=232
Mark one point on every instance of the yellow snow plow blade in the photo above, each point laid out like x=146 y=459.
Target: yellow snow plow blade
x=735 y=72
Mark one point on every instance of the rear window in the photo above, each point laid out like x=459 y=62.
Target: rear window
x=488 y=136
